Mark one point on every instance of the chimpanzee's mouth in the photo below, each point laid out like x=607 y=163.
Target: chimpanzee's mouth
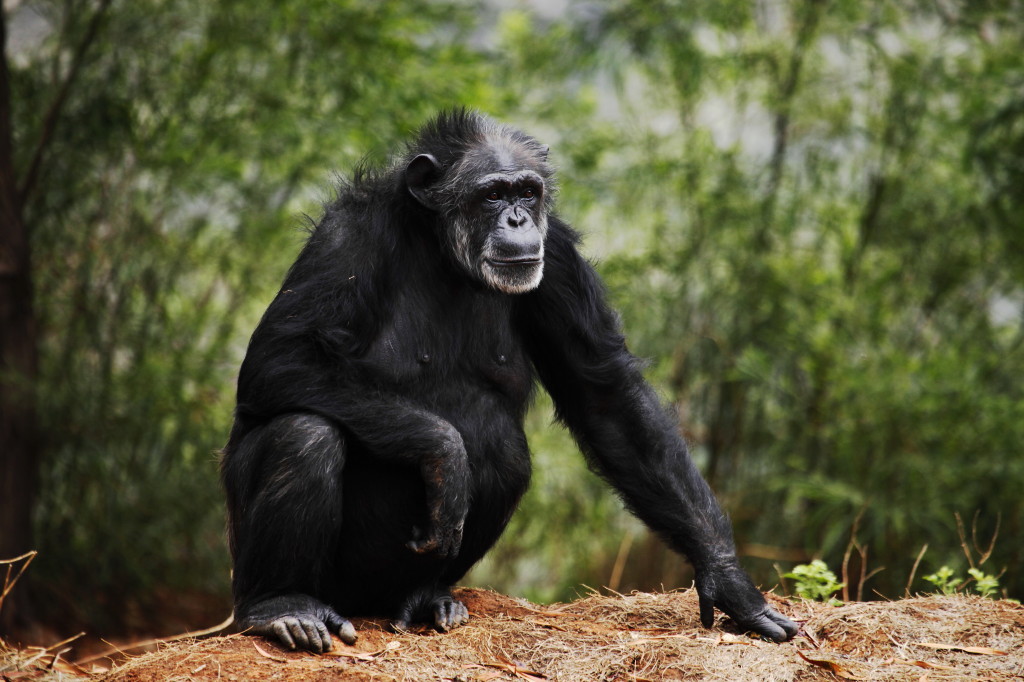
x=514 y=262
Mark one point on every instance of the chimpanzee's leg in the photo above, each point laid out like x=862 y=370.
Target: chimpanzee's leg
x=283 y=484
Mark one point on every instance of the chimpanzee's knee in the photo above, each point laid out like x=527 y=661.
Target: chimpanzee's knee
x=302 y=465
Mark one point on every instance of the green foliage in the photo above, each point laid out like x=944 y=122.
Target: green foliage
x=947 y=582
x=192 y=135
x=808 y=215
x=815 y=581
x=807 y=218
x=984 y=584
x=944 y=580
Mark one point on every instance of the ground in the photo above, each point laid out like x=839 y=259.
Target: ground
x=621 y=637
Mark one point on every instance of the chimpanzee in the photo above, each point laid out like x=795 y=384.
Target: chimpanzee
x=378 y=450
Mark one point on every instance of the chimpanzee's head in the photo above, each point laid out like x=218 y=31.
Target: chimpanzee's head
x=491 y=185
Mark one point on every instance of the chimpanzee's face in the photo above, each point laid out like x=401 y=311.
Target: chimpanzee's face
x=505 y=218
x=494 y=203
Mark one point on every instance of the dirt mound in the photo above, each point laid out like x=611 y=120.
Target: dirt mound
x=636 y=637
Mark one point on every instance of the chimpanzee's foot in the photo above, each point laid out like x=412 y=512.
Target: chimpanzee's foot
x=449 y=613
x=434 y=606
x=297 y=621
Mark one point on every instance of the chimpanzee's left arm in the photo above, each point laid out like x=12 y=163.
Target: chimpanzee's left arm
x=575 y=344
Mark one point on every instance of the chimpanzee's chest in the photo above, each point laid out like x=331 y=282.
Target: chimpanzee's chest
x=459 y=356
x=465 y=363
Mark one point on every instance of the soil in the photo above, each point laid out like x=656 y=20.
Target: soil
x=621 y=637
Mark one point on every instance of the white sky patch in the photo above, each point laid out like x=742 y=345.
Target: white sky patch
x=1006 y=309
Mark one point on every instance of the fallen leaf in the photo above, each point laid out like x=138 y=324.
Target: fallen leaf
x=736 y=639
x=354 y=655
x=832 y=667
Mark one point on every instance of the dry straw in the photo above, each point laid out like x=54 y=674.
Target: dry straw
x=632 y=637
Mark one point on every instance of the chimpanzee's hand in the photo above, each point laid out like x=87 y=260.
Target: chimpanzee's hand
x=728 y=587
x=443 y=534
x=446 y=479
x=296 y=621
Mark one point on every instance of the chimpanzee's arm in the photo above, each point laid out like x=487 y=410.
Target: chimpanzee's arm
x=391 y=428
x=285 y=372
x=627 y=435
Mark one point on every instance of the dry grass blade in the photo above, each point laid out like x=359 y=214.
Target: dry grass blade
x=46 y=658
x=516 y=669
x=913 y=571
x=27 y=557
x=486 y=676
x=637 y=636
x=655 y=638
x=981 y=650
x=122 y=652
x=365 y=656
x=266 y=654
x=925 y=664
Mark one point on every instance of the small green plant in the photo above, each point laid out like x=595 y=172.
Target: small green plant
x=984 y=584
x=816 y=582
x=948 y=583
x=944 y=580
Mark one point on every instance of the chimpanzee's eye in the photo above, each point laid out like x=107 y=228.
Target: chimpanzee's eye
x=493 y=196
x=528 y=193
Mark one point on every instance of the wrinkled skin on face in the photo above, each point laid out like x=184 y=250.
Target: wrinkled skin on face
x=494 y=208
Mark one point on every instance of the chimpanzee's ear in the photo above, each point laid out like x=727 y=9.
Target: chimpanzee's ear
x=421 y=173
x=544 y=152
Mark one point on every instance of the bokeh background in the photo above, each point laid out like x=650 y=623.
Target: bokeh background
x=810 y=214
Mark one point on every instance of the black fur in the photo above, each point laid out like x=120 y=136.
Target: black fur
x=378 y=450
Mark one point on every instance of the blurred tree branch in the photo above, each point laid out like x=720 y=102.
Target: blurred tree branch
x=51 y=119
x=19 y=464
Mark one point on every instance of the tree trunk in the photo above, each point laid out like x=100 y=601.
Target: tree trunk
x=19 y=439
